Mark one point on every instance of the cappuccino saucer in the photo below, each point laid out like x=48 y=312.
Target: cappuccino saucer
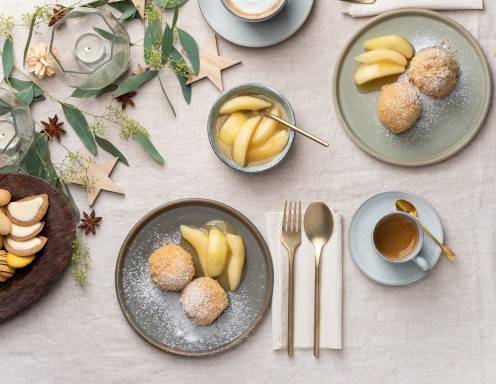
x=255 y=35
x=360 y=239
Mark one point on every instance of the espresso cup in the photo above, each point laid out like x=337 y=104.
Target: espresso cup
x=397 y=238
x=254 y=10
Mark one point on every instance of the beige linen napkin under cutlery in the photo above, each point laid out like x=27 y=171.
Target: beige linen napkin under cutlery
x=331 y=288
x=380 y=6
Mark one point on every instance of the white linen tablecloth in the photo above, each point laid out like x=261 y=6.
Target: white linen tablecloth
x=439 y=330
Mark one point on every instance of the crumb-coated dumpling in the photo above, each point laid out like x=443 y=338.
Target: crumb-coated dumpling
x=399 y=106
x=203 y=300
x=434 y=71
x=171 y=267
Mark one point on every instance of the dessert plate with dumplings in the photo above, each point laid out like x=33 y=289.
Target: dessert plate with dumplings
x=37 y=228
x=194 y=277
x=412 y=87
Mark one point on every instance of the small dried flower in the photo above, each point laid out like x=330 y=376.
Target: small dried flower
x=153 y=57
x=181 y=68
x=74 y=169
x=129 y=127
x=80 y=261
x=153 y=13
x=126 y=99
x=38 y=61
x=98 y=127
x=53 y=128
x=57 y=15
x=90 y=223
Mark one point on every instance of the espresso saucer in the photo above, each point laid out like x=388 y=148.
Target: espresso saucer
x=255 y=35
x=360 y=239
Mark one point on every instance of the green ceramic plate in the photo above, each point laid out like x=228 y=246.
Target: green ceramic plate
x=446 y=125
x=157 y=315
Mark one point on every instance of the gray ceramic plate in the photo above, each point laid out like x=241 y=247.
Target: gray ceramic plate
x=263 y=34
x=156 y=315
x=446 y=125
x=360 y=239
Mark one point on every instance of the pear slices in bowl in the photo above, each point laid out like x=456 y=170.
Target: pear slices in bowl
x=385 y=56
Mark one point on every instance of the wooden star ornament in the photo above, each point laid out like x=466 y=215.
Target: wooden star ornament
x=98 y=175
x=211 y=64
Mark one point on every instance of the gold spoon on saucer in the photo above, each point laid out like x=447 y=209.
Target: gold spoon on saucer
x=318 y=224
x=406 y=206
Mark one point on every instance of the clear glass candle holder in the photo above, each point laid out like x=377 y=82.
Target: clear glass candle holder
x=16 y=131
x=90 y=48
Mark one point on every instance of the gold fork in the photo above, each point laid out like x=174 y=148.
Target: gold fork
x=291 y=239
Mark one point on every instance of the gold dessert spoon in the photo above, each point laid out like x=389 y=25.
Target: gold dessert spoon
x=318 y=224
x=299 y=130
x=360 y=1
x=406 y=206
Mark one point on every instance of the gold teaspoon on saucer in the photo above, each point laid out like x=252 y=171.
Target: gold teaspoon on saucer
x=296 y=129
x=318 y=224
x=406 y=206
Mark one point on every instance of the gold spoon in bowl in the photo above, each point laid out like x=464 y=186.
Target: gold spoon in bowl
x=406 y=206
x=318 y=224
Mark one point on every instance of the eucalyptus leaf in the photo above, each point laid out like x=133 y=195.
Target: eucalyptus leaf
x=169 y=4
x=19 y=85
x=30 y=36
x=82 y=93
x=186 y=89
x=134 y=82
x=175 y=17
x=149 y=147
x=127 y=9
x=167 y=42
x=37 y=162
x=80 y=125
x=26 y=95
x=191 y=48
x=8 y=57
x=107 y=146
x=105 y=34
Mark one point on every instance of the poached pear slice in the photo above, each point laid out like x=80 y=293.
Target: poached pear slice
x=368 y=72
x=236 y=261
x=394 y=42
x=217 y=252
x=199 y=241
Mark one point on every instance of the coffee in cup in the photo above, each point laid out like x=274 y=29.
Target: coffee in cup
x=254 y=10
x=398 y=238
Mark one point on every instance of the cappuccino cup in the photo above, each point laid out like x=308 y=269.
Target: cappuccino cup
x=254 y=10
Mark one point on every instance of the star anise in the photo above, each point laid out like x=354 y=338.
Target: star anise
x=53 y=128
x=139 y=69
x=90 y=223
x=58 y=14
x=126 y=99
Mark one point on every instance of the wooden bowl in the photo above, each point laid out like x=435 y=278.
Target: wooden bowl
x=29 y=283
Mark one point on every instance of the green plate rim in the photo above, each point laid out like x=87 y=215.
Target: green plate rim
x=208 y=203
x=456 y=148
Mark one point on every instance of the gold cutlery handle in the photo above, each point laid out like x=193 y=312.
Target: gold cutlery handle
x=291 y=303
x=299 y=130
x=444 y=248
x=316 y=314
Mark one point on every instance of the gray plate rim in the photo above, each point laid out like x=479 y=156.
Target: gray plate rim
x=366 y=273
x=213 y=204
x=263 y=45
x=454 y=149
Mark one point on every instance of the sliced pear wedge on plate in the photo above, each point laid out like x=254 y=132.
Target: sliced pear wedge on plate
x=393 y=42
x=368 y=72
x=378 y=55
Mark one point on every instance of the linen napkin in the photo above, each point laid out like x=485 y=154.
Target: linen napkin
x=380 y=6
x=331 y=288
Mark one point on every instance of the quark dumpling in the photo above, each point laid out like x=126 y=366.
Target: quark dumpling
x=203 y=300
x=434 y=71
x=399 y=106
x=171 y=267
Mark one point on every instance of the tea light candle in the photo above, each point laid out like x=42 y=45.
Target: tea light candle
x=7 y=133
x=89 y=48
